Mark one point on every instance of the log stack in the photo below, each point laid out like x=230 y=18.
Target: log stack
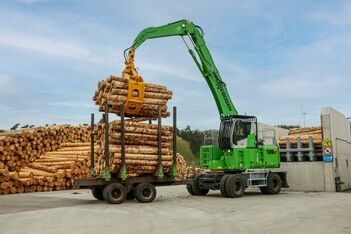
x=55 y=170
x=9 y=182
x=141 y=147
x=19 y=148
x=114 y=90
x=181 y=167
x=304 y=134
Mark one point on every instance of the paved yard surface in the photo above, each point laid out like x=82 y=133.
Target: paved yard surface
x=174 y=211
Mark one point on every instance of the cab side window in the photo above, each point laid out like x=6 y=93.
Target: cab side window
x=241 y=131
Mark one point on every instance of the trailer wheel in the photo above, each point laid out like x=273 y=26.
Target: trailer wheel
x=189 y=187
x=145 y=192
x=235 y=186
x=115 y=193
x=222 y=185
x=98 y=193
x=274 y=183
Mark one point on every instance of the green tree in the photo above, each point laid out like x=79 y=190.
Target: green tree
x=183 y=147
x=195 y=139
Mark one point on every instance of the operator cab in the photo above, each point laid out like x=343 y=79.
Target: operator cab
x=234 y=131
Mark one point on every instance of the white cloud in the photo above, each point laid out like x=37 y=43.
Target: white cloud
x=47 y=45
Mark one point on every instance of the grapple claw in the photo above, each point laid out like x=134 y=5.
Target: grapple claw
x=136 y=86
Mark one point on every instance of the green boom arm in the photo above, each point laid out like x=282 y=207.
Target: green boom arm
x=206 y=65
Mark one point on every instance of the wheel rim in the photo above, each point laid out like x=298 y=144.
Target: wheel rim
x=147 y=193
x=116 y=193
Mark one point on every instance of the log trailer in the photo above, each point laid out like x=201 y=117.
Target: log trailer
x=240 y=161
x=116 y=188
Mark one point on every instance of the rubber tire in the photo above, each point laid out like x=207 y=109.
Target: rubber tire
x=264 y=190
x=139 y=192
x=274 y=183
x=189 y=187
x=199 y=191
x=222 y=186
x=130 y=195
x=109 y=196
x=98 y=193
x=232 y=182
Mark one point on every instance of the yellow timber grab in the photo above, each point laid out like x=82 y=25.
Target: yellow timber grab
x=136 y=86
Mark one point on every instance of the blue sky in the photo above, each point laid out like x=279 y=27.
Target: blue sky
x=278 y=58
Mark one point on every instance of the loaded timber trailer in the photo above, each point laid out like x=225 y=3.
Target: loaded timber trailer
x=240 y=161
x=115 y=188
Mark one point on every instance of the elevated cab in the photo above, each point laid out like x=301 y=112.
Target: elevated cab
x=238 y=147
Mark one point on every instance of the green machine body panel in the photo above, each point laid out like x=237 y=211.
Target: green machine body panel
x=211 y=157
x=266 y=156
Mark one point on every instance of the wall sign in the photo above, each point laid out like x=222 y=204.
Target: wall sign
x=327 y=151
x=327 y=158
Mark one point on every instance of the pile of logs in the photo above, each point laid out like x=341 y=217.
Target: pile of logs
x=55 y=170
x=303 y=134
x=141 y=147
x=19 y=148
x=9 y=182
x=114 y=90
x=181 y=167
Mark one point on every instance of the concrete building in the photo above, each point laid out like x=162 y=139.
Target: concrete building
x=321 y=175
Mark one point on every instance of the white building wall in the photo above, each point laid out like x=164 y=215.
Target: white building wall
x=337 y=129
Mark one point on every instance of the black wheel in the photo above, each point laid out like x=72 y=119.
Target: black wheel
x=235 y=186
x=115 y=193
x=189 y=187
x=130 y=195
x=98 y=193
x=222 y=185
x=274 y=183
x=145 y=192
x=199 y=191
x=264 y=190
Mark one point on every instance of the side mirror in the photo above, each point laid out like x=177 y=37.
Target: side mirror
x=260 y=142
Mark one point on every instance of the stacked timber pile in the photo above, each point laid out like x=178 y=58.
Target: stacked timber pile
x=141 y=147
x=303 y=134
x=9 y=182
x=19 y=148
x=114 y=90
x=55 y=170
x=194 y=170
x=181 y=167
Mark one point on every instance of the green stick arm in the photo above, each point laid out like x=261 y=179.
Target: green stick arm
x=206 y=65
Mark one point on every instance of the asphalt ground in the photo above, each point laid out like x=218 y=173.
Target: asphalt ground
x=175 y=211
